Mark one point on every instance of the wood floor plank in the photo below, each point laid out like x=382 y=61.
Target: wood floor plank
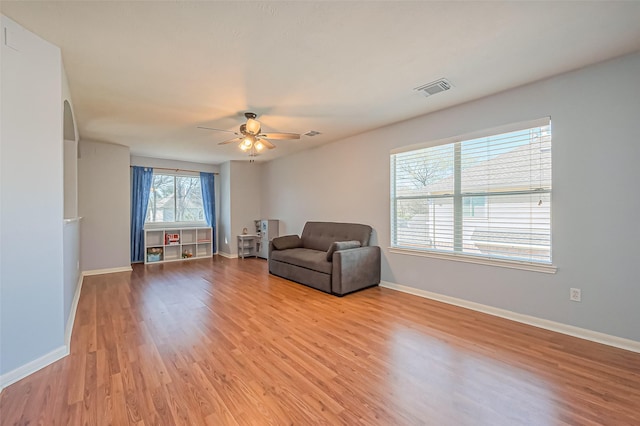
x=221 y=342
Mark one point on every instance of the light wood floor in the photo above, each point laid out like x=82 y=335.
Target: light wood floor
x=220 y=342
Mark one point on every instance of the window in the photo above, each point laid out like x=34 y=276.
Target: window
x=484 y=197
x=175 y=199
x=474 y=206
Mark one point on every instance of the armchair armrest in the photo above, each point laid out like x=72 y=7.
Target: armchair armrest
x=354 y=269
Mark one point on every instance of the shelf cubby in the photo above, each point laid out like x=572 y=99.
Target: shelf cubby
x=197 y=241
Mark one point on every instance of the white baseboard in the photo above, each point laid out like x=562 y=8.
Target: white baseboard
x=72 y=314
x=33 y=366
x=582 y=333
x=107 y=271
x=53 y=356
x=227 y=255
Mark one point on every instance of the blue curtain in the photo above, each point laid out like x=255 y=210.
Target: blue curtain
x=141 y=179
x=207 y=181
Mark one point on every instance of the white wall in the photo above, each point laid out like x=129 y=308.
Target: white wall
x=71 y=231
x=595 y=207
x=224 y=220
x=70 y=179
x=31 y=197
x=245 y=198
x=104 y=202
x=173 y=164
x=71 y=254
x=239 y=202
x=70 y=150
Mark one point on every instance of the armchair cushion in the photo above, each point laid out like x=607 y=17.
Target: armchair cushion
x=341 y=245
x=306 y=258
x=287 y=242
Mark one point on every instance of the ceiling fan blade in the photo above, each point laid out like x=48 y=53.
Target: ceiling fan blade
x=230 y=141
x=280 y=135
x=218 y=130
x=267 y=143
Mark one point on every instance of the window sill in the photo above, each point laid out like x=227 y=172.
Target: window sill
x=503 y=263
x=174 y=225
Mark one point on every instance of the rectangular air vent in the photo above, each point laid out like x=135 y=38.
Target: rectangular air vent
x=434 y=87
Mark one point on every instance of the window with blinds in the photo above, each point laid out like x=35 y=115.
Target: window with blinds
x=487 y=195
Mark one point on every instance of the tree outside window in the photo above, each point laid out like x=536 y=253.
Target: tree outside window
x=175 y=199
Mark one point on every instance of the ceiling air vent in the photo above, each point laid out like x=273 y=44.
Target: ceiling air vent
x=311 y=133
x=434 y=87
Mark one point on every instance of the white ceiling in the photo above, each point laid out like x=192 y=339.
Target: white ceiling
x=145 y=74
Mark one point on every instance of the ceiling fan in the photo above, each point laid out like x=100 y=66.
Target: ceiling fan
x=250 y=137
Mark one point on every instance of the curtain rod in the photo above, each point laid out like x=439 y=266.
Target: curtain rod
x=174 y=170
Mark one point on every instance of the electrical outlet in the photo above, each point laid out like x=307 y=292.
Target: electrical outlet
x=575 y=294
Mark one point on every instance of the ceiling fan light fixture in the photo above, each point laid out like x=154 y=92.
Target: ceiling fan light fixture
x=253 y=126
x=250 y=138
x=248 y=141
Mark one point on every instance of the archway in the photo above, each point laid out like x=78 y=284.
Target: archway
x=70 y=163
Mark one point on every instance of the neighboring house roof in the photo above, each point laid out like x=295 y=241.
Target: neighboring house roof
x=511 y=171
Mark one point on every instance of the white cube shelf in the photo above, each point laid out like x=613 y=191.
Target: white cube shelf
x=173 y=244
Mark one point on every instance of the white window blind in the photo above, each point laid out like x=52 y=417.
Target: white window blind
x=489 y=196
